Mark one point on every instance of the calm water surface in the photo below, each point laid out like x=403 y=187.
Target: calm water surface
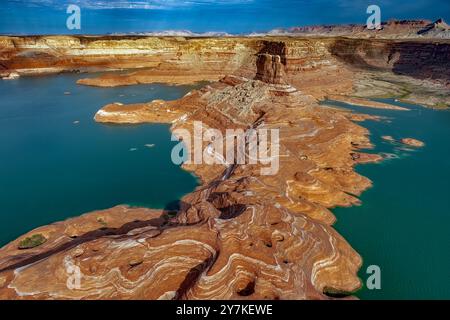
x=403 y=224
x=56 y=162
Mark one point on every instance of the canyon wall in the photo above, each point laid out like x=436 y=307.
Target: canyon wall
x=305 y=61
x=418 y=59
x=64 y=53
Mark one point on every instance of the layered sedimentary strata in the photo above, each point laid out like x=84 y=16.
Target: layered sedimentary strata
x=365 y=103
x=171 y=59
x=418 y=59
x=416 y=70
x=393 y=29
x=269 y=68
x=242 y=234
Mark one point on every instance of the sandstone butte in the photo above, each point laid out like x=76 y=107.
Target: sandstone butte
x=239 y=235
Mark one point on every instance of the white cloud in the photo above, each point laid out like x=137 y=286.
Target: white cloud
x=130 y=4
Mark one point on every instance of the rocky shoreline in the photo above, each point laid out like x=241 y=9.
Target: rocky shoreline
x=240 y=235
x=413 y=70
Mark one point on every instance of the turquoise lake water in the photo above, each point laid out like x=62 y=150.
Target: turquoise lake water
x=52 y=168
x=403 y=224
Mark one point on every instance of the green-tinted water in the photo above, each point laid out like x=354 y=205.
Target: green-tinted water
x=403 y=223
x=52 y=168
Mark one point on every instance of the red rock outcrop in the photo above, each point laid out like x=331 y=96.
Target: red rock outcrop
x=417 y=59
x=269 y=69
x=412 y=142
x=240 y=235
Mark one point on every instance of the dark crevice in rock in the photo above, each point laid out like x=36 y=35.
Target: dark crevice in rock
x=336 y=293
x=232 y=211
x=248 y=290
x=192 y=277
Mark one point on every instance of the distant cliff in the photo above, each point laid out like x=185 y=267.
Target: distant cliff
x=393 y=29
x=213 y=58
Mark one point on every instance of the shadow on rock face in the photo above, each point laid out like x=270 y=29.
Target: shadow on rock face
x=270 y=62
x=416 y=59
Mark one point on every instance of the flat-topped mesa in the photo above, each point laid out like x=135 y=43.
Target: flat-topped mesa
x=269 y=69
x=417 y=67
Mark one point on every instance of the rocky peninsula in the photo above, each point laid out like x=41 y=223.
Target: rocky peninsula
x=240 y=234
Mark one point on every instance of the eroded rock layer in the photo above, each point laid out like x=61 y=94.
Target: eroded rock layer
x=241 y=234
x=415 y=70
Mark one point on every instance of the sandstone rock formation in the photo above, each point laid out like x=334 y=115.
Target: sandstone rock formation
x=416 y=69
x=412 y=142
x=365 y=103
x=241 y=234
x=393 y=29
x=437 y=29
x=407 y=141
x=269 y=69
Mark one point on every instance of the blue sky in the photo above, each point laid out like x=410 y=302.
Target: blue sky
x=232 y=16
